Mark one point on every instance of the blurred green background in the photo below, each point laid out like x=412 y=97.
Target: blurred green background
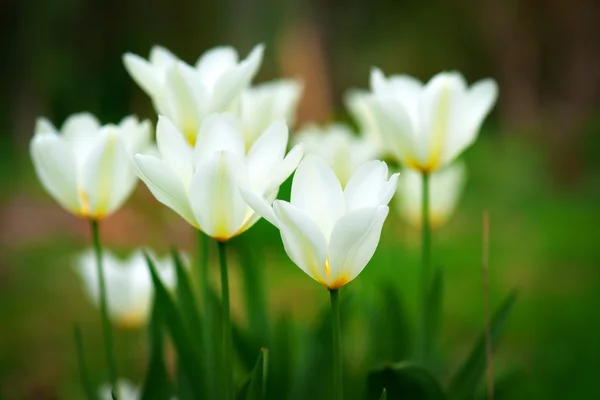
x=535 y=168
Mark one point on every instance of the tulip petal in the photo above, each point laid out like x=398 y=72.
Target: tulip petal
x=219 y=132
x=317 y=191
x=143 y=73
x=165 y=185
x=214 y=62
x=353 y=243
x=259 y=204
x=215 y=197
x=174 y=150
x=267 y=151
x=161 y=57
x=232 y=82
x=302 y=239
x=80 y=131
x=283 y=169
x=108 y=177
x=55 y=167
x=369 y=186
x=136 y=135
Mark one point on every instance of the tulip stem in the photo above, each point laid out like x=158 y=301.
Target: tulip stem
x=106 y=326
x=203 y=245
x=425 y=334
x=338 y=388
x=227 y=361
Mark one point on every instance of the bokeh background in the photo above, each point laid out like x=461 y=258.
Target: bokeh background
x=535 y=168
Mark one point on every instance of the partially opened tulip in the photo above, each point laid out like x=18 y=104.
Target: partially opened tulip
x=339 y=147
x=128 y=284
x=263 y=104
x=445 y=187
x=428 y=126
x=201 y=184
x=187 y=94
x=86 y=167
x=330 y=233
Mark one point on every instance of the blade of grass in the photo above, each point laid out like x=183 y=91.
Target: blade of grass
x=82 y=365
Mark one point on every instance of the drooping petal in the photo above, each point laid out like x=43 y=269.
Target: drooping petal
x=317 y=191
x=353 y=243
x=259 y=204
x=143 y=73
x=267 y=151
x=366 y=187
x=55 y=166
x=219 y=132
x=174 y=149
x=215 y=197
x=303 y=240
x=214 y=62
x=165 y=185
x=107 y=175
x=283 y=169
x=231 y=83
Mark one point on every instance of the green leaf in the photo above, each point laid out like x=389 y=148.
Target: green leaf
x=465 y=381
x=254 y=388
x=383 y=395
x=404 y=381
x=186 y=299
x=187 y=353
x=82 y=365
x=157 y=385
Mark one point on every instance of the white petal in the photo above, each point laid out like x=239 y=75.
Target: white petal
x=353 y=242
x=259 y=204
x=136 y=135
x=80 y=130
x=214 y=62
x=365 y=187
x=174 y=150
x=267 y=151
x=165 y=185
x=143 y=73
x=317 y=191
x=283 y=169
x=215 y=197
x=358 y=104
x=43 y=125
x=302 y=239
x=219 y=132
x=231 y=83
x=55 y=167
x=108 y=176
x=162 y=57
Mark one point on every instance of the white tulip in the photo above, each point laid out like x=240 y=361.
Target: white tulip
x=445 y=187
x=187 y=94
x=330 y=233
x=88 y=168
x=263 y=104
x=358 y=103
x=428 y=126
x=339 y=147
x=125 y=388
x=201 y=183
x=129 y=285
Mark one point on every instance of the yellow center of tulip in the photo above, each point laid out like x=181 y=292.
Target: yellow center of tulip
x=84 y=201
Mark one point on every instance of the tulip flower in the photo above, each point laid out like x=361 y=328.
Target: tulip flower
x=358 y=103
x=126 y=390
x=201 y=185
x=187 y=94
x=128 y=284
x=263 y=104
x=428 y=126
x=330 y=233
x=445 y=187
x=87 y=168
x=339 y=147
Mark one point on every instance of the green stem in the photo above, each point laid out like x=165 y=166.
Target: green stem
x=424 y=334
x=338 y=388
x=203 y=244
x=83 y=370
x=106 y=326
x=227 y=343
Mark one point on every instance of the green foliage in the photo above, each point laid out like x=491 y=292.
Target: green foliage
x=404 y=381
x=255 y=386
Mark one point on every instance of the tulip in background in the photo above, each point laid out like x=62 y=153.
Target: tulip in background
x=128 y=284
x=330 y=233
x=358 y=103
x=201 y=185
x=187 y=94
x=86 y=167
x=126 y=390
x=262 y=104
x=445 y=186
x=89 y=170
x=339 y=147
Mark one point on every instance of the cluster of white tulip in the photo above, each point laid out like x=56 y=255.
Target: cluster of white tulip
x=221 y=158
